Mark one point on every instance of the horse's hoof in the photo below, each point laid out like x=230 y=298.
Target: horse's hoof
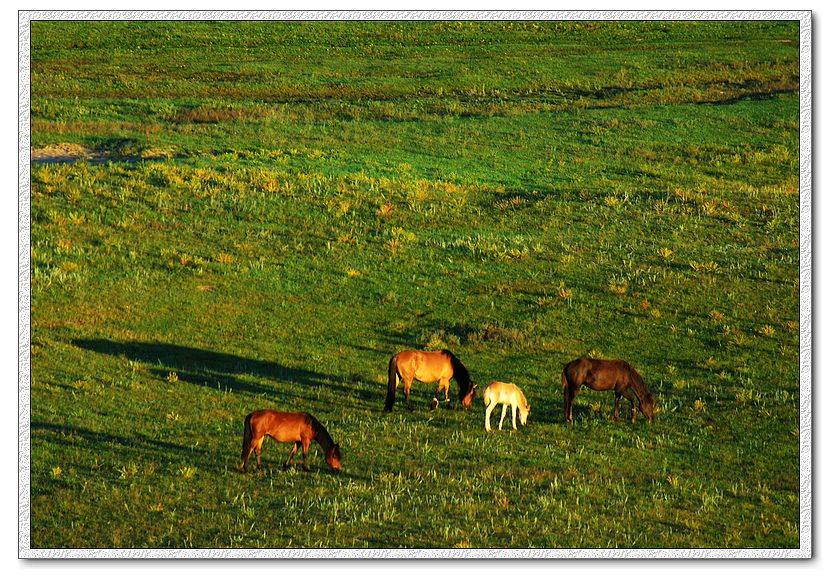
x=433 y=405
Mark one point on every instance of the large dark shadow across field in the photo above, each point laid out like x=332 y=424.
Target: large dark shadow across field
x=218 y=369
x=95 y=439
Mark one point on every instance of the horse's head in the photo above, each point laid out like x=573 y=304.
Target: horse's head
x=647 y=406
x=523 y=412
x=333 y=458
x=467 y=399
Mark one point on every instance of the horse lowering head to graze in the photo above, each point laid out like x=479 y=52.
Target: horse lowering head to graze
x=441 y=366
x=297 y=427
x=616 y=375
x=506 y=394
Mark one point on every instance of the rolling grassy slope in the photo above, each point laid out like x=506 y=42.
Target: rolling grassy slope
x=265 y=212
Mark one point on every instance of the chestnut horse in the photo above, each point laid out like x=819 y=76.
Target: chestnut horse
x=296 y=427
x=616 y=375
x=441 y=365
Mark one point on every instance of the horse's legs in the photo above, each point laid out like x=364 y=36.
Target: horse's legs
x=503 y=413
x=407 y=386
x=446 y=384
x=290 y=460
x=487 y=416
x=617 y=397
x=435 y=402
x=306 y=445
x=443 y=385
x=631 y=398
x=567 y=404
x=258 y=448
x=570 y=394
x=246 y=454
x=514 y=416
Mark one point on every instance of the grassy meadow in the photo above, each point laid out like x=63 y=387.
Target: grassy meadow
x=228 y=216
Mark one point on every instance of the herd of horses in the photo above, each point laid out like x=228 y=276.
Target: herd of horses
x=442 y=366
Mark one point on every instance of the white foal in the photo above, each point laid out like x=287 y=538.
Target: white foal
x=505 y=393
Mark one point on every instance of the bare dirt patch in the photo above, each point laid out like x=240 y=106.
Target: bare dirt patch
x=63 y=153
x=73 y=152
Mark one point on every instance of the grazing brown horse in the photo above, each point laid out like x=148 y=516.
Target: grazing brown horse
x=296 y=427
x=616 y=375
x=441 y=365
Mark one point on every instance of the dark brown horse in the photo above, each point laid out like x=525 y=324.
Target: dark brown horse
x=616 y=375
x=296 y=427
x=441 y=365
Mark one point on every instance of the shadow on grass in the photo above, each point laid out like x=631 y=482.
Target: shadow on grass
x=130 y=446
x=207 y=367
x=272 y=467
x=223 y=371
x=95 y=440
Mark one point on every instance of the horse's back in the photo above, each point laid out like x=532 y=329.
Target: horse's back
x=409 y=359
x=577 y=370
x=425 y=366
x=597 y=373
x=406 y=355
x=277 y=415
x=500 y=392
x=281 y=426
x=621 y=369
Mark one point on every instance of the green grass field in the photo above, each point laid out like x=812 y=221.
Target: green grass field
x=259 y=214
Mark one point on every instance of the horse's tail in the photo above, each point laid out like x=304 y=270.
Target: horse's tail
x=574 y=373
x=247 y=436
x=392 y=385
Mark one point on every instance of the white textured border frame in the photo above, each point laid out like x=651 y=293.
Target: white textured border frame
x=24 y=290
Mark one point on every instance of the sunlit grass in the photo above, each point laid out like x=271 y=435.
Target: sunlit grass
x=270 y=224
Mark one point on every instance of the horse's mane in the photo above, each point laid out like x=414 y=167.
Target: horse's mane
x=321 y=435
x=522 y=396
x=461 y=374
x=639 y=385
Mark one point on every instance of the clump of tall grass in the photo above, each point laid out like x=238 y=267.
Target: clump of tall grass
x=487 y=247
x=497 y=333
x=708 y=266
x=665 y=253
x=439 y=339
x=508 y=204
x=216 y=114
x=617 y=287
